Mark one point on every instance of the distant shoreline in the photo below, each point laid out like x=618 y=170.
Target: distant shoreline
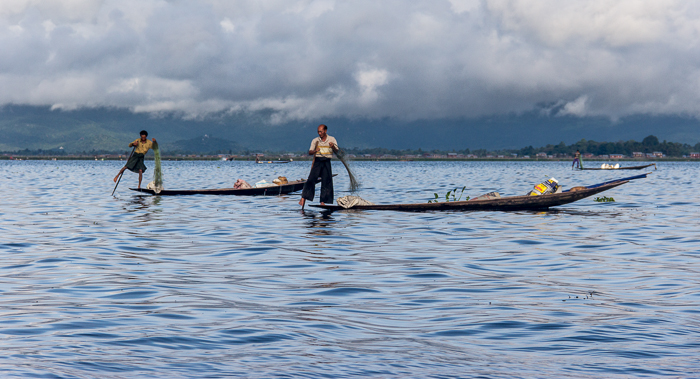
x=358 y=159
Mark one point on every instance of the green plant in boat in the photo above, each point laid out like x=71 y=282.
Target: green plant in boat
x=452 y=193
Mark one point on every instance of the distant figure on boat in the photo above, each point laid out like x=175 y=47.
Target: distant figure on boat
x=577 y=160
x=135 y=162
x=322 y=148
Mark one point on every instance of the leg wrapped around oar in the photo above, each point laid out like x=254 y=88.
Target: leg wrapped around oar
x=118 y=178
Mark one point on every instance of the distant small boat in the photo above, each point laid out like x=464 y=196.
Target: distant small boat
x=619 y=168
x=511 y=203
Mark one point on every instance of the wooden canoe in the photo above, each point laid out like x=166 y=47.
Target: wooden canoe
x=272 y=162
x=512 y=203
x=284 y=189
x=620 y=168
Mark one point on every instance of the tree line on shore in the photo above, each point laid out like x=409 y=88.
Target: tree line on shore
x=649 y=144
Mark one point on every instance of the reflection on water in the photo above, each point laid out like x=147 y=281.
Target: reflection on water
x=196 y=286
x=575 y=212
x=319 y=223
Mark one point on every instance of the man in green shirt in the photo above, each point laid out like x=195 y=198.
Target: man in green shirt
x=135 y=162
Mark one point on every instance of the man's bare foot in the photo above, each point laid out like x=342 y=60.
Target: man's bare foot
x=322 y=203
x=302 y=202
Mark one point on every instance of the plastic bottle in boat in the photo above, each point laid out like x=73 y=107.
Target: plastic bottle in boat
x=548 y=186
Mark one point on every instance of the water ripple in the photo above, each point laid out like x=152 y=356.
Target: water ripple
x=216 y=286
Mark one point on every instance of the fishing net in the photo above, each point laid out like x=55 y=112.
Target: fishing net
x=157 y=184
x=354 y=183
x=351 y=201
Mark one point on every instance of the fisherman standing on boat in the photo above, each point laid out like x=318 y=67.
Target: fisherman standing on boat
x=322 y=148
x=135 y=162
x=577 y=160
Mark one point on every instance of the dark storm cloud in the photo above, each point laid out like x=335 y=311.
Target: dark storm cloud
x=310 y=59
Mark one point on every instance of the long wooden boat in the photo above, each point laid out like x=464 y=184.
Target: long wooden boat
x=290 y=187
x=512 y=203
x=620 y=168
x=272 y=162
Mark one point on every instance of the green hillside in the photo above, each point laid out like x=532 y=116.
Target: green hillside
x=110 y=130
x=34 y=128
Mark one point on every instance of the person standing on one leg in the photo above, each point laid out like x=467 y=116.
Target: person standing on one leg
x=135 y=163
x=322 y=148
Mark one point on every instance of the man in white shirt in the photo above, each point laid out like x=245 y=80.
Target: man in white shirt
x=322 y=148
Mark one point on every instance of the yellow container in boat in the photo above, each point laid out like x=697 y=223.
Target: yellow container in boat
x=548 y=186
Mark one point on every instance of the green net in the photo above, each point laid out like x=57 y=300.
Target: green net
x=157 y=171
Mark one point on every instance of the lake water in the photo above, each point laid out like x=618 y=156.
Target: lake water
x=209 y=286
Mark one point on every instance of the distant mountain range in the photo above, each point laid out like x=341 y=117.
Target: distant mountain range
x=110 y=130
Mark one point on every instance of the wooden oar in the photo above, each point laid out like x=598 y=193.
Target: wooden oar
x=122 y=174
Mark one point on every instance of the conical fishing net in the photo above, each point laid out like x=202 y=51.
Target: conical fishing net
x=354 y=183
x=157 y=183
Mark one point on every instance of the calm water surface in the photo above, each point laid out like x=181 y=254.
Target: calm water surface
x=205 y=286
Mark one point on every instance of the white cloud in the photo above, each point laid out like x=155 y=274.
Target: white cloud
x=49 y=26
x=82 y=86
x=155 y=88
x=555 y=22
x=227 y=25
x=369 y=81
x=576 y=107
x=461 y=6
x=305 y=59
x=312 y=9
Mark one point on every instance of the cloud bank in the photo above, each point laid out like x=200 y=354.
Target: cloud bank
x=305 y=59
